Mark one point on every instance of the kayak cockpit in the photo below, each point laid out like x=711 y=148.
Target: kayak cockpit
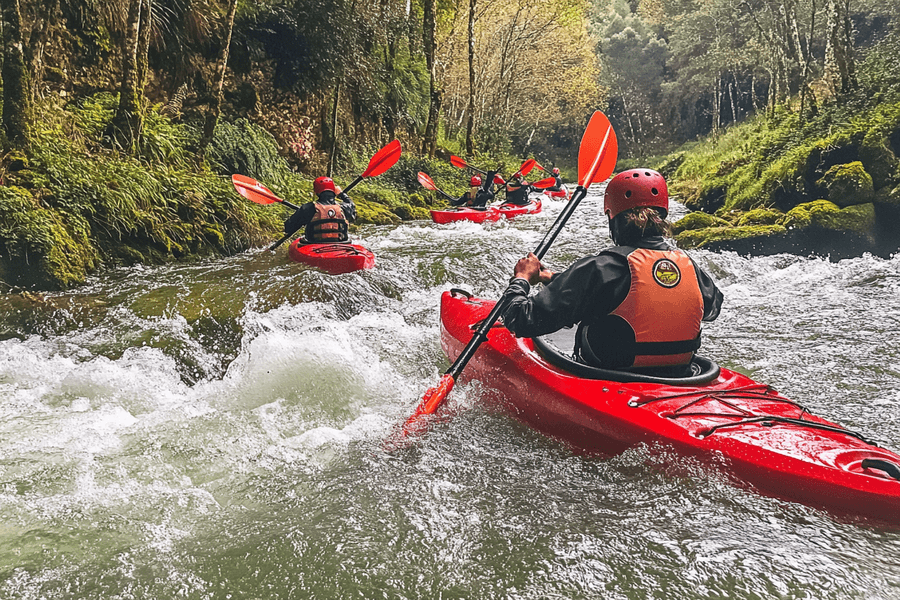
x=703 y=370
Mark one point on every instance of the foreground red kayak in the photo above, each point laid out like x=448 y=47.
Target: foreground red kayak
x=463 y=213
x=747 y=428
x=511 y=210
x=332 y=258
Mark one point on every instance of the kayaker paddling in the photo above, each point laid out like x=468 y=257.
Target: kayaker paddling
x=478 y=194
x=638 y=306
x=517 y=190
x=325 y=219
x=556 y=187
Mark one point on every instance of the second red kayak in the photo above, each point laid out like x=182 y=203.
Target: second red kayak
x=332 y=258
x=560 y=194
x=726 y=419
x=512 y=210
x=452 y=215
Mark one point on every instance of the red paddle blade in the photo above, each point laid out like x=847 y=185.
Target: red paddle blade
x=543 y=184
x=253 y=190
x=599 y=151
x=458 y=162
x=429 y=404
x=499 y=180
x=383 y=160
x=426 y=181
x=527 y=166
x=538 y=165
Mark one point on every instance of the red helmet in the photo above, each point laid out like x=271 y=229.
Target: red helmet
x=636 y=187
x=323 y=183
x=556 y=170
x=475 y=181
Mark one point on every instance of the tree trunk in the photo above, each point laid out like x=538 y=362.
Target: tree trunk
x=215 y=104
x=429 y=26
x=334 y=125
x=470 y=126
x=17 y=107
x=840 y=73
x=125 y=128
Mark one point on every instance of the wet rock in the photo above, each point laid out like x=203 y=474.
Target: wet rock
x=847 y=184
x=698 y=220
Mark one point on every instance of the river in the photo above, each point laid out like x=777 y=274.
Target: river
x=215 y=430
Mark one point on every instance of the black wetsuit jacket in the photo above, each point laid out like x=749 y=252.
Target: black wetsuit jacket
x=303 y=215
x=556 y=186
x=518 y=196
x=586 y=293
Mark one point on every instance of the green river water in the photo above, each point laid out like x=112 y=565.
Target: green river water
x=214 y=430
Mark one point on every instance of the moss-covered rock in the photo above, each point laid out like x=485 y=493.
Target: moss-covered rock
x=718 y=236
x=697 y=220
x=847 y=184
x=880 y=162
x=374 y=213
x=411 y=213
x=760 y=216
x=826 y=215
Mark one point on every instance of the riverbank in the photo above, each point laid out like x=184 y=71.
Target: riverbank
x=73 y=206
x=825 y=184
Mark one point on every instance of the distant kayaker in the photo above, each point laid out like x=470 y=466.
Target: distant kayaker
x=517 y=191
x=557 y=186
x=638 y=305
x=324 y=218
x=478 y=194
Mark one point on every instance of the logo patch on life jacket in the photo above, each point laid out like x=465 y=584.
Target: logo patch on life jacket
x=331 y=213
x=666 y=273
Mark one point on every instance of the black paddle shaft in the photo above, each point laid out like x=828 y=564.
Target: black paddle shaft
x=481 y=335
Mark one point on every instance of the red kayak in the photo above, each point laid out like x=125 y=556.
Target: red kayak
x=560 y=194
x=332 y=258
x=746 y=428
x=463 y=213
x=512 y=210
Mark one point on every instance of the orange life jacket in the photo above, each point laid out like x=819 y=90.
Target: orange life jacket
x=327 y=225
x=663 y=307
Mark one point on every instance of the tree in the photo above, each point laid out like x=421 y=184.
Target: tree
x=215 y=102
x=125 y=128
x=429 y=142
x=17 y=108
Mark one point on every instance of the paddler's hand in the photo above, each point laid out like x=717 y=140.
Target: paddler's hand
x=531 y=270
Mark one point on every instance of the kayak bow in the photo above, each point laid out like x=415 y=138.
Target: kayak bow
x=334 y=258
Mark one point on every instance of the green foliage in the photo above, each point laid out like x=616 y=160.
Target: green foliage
x=245 y=148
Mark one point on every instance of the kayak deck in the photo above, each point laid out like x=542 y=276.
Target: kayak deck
x=333 y=258
x=766 y=440
x=452 y=215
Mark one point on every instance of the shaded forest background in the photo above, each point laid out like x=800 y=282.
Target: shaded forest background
x=120 y=118
x=328 y=77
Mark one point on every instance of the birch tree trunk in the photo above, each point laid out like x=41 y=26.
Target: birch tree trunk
x=429 y=26
x=17 y=108
x=125 y=128
x=215 y=104
x=470 y=125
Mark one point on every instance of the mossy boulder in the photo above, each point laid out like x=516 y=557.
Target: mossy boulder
x=880 y=162
x=826 y=215
x=760 y=216
x=411 y=213
x=374 y=213
x=698 y=220
x=417 y=200
x=38 y=248
x=847 y=184
x=716 y=238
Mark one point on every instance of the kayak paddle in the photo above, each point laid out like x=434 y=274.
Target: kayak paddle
x=596 y=161
x=428 y=183
x=253 y=190
x=458 y=162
